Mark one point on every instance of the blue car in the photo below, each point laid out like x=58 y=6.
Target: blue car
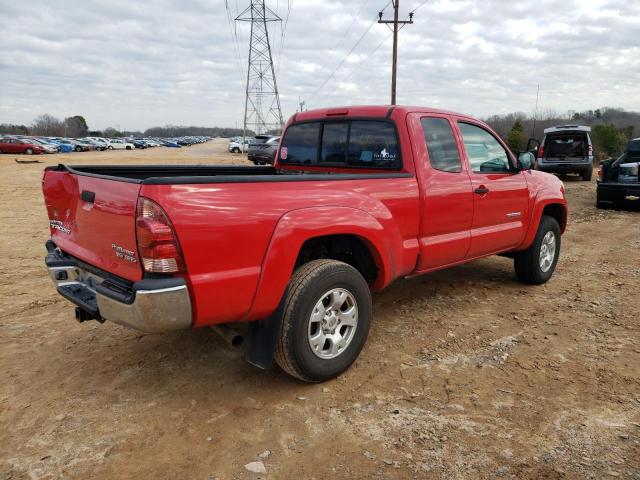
x=170 y=143
x=62 y=147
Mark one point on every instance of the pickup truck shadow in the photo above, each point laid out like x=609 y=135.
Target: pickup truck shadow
x=198 y=365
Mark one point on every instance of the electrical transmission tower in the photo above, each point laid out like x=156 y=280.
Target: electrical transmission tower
x=262 y=110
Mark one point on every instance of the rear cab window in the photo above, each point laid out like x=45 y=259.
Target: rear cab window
x=370 y=144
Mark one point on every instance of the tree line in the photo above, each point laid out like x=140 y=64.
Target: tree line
x=76 y=127
x=611 y=128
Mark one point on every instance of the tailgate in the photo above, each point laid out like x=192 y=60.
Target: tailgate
x=93 y=219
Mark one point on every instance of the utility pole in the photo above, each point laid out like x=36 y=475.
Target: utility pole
x=397 y=26
x=262 y=110
x=302 y=104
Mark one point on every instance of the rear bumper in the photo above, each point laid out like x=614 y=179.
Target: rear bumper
x=564 y=167
x=150 y=305
x=608 y=190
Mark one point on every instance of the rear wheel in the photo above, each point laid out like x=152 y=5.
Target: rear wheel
x=235 y=150
x=587 y=174
x=326 y=316
x=536 y=264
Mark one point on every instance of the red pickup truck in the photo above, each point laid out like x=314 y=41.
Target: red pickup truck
x=288 y=254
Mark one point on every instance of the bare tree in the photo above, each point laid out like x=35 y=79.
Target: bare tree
x=47 y=125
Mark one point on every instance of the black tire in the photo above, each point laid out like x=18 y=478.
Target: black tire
x=128 y=147
x=110 y=147
x=235 y=150
x=294 y=353
x=587 y=174
x=29 y=151
x=527 y=263
x=78 y=149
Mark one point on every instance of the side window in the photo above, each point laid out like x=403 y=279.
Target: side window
x=334 y=142
x=441 y=144
x=373 y=144
x=300 y=144
x=485 y=153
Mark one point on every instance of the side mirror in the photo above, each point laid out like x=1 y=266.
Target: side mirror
x=526 y=160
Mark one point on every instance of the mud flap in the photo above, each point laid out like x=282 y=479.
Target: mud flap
x=261 y=344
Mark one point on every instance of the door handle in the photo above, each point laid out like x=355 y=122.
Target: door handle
x=481 y=190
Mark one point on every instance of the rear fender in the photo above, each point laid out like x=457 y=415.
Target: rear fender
x=296 y=227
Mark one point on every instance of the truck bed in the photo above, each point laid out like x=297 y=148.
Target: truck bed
x=190 y=174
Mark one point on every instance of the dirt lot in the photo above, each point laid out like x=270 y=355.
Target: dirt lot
x=466 y=374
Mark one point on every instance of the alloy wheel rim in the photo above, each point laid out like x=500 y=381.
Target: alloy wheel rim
x=333 y=323
x=547 y=251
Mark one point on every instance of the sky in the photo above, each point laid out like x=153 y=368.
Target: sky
x=134 y=65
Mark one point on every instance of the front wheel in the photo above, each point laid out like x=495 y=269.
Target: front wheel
x=29 y=151
x=326 y=316
x=536 y=264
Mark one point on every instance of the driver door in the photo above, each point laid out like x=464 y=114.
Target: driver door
x=501 y=196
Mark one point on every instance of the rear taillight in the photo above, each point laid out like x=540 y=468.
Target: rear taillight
x=540 y=151
x=600 y=173
x=590 y=150
x=157 y=242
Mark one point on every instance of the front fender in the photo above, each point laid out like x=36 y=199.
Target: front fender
x=542 y=199
x=382 y=237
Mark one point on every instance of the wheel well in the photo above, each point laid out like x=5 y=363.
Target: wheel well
x=349 y=249
x=557 y=211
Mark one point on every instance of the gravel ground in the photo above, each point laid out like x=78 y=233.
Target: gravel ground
x=466 y=374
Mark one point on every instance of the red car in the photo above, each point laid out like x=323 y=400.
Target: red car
x=16 y=145
x=286 y=255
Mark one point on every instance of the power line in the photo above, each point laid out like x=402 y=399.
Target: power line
x=234 y=38
x=367 y=56
x=348 y=29
x=349 y=52
x=423 y=3
x=283 y=34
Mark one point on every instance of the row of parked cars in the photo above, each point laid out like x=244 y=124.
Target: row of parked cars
x=261 y=149
x=34 y=145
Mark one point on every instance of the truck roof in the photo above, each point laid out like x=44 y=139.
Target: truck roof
x=562 y=128
x=368 y=111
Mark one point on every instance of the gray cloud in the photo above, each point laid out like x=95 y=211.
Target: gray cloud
x=169 y=61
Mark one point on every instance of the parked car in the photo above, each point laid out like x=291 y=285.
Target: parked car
x=170 y=143
x=97 y=144
x=619 y=179
x=62 y=147
x=119 y=144
x=17 y=145
x=239 y=146
x=262 y=150
x=139 y=143
x=566 y=149
x=47 y=147
x=287 y=255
